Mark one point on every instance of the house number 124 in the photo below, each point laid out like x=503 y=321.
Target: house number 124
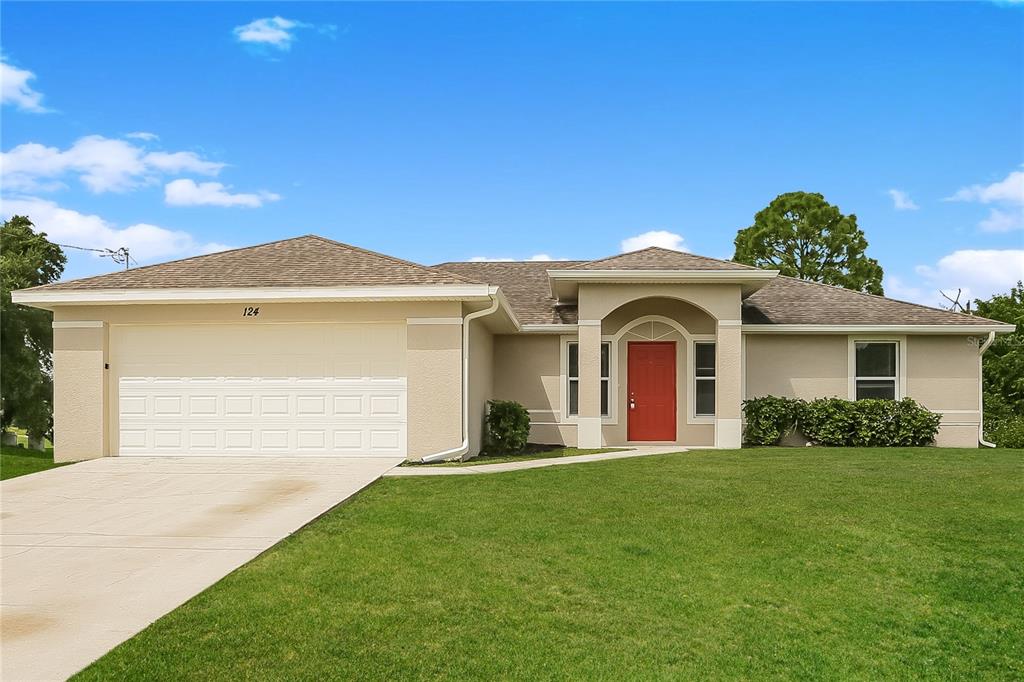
x=249 y=311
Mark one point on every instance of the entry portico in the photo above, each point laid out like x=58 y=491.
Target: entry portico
x=614 y=300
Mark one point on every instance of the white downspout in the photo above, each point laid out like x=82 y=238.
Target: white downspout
x=981 y=393
x=464 y=448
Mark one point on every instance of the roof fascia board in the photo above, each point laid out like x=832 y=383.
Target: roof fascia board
x=755 y=278
x=877 y=328
x=671 y=275
x=45 y=298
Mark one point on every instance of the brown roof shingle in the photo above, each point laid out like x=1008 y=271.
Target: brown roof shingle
x=525 y=285
x=308 y=261
x=787 y=300
x=657 y=258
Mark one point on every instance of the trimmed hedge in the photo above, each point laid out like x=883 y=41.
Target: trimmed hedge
x=836 y=422
x=508 y=427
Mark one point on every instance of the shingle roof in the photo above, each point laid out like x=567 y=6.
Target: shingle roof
x=525 y=285
x=657 y=258
x=787 y=300
x=308 y=261
x=313 y=261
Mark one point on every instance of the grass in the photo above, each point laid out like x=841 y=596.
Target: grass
x=786 y=563
x=20 y=461
x=532 y=452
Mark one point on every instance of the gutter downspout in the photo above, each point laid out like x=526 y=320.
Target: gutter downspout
x=464 y=448
x=981 y=394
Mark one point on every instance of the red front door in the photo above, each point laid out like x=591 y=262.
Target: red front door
x=652 y=391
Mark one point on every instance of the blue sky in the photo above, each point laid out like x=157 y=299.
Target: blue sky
x=453 y=131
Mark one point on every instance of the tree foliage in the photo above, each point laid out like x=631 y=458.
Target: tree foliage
x=1003 y=363
x=802 y=235
x=27 y=259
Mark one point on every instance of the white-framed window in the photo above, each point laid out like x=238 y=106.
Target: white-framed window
x=704 y=379
x=876 y=369
x=572 y=377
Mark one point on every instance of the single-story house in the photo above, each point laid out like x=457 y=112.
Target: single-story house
x=307 y=346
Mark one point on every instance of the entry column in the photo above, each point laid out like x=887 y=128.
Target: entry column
x=728 y=377
x=589 y=419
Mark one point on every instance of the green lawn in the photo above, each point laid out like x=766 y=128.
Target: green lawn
x=533 y=453
x=19 y=461
x=788 y=563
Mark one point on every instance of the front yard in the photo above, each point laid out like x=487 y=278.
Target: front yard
x=20 y=461
x=840 y=563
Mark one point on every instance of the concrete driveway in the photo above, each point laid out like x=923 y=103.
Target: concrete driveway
x=96 y=551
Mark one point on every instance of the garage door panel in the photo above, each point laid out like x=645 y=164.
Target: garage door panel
x=181 y=403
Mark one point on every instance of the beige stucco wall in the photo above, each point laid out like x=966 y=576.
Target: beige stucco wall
x=942 y=372
x=79 y=393
x=796 y=366
x=721 y=301
x=527 y=369
x=435 y=388
x=85 y=413
x=481 y=381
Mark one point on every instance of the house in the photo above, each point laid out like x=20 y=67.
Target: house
x=307 y=346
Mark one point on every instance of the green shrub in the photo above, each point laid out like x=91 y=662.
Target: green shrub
x=828 y=421
x=1009 y=432
x=836 y=422
x=868 y=423
x=508 y=427
x=769 y=418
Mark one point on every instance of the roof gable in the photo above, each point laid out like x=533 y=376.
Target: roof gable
x=308 y=261
x=657 y=258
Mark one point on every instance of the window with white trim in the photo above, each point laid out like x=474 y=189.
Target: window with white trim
x=876 y=373
x=573 y=378
x=704 y=379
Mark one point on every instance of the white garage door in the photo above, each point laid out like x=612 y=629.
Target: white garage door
x=260 y=389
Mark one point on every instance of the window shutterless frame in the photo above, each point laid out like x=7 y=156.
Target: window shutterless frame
x=572 y=378
x=876 y=369
x=703 y=379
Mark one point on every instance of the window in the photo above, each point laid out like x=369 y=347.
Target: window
x=704 y=379
x=876 y=372
x=573 y=377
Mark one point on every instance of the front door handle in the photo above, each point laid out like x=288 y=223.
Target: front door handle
x=632 y=404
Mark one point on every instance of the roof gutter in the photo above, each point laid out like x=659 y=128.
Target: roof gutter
x=981 y=392
x=464 y=447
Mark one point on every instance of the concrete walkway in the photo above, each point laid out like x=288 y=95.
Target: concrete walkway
x=643 y=451
x=94 y=552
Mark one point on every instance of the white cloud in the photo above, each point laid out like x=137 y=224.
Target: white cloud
x=1009 y=190
x=662 y=238
x=186 y=192
x=145 y=242
x=15 y=90
x=276 y=32
x=901 y=200
x=142 y=135
x=980 y=273
x=102 y=164
x=1003 y=221
x=896 y=287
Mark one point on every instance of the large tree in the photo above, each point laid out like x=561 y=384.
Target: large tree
x=802 y=235
x=27 y=259
x=1003 y=373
